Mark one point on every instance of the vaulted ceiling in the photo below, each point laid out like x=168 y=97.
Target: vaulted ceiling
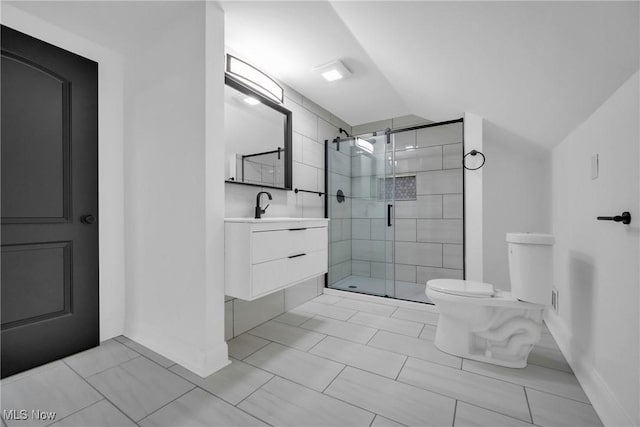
x=533 y=70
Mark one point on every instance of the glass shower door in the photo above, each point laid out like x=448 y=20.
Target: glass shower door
x=396 y=206
x=428 y=207
x=372 y=203
x=358 y=170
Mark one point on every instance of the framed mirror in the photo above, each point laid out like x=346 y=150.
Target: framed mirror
x=257 y=138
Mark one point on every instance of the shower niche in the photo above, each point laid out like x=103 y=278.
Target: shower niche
x=400 y=221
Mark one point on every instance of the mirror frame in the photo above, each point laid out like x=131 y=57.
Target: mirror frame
x=288 y=133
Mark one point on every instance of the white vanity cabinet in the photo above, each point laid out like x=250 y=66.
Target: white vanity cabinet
x=268 y=254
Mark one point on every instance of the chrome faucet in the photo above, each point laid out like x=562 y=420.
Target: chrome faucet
x=260 y=211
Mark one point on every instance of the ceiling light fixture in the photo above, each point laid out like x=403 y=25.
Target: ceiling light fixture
x=333 y=71
x=332 y=75
x=255 y=79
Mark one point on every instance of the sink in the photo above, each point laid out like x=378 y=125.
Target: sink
x=274 y=219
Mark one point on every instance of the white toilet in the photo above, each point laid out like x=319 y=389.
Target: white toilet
x=486 y=324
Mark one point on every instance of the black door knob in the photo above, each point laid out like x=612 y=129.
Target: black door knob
x=88 y=219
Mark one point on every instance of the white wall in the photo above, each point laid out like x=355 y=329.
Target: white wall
x=173 y=239
x=311 y=126
x=110 y=155
x=596 y=263
x=473 y=200
x=214 y=350
x=516 y=198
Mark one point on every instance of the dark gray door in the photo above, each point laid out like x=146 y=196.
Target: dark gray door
x=49 y=202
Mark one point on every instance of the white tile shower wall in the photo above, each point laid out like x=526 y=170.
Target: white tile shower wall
x=312 y=125
x=428 y=230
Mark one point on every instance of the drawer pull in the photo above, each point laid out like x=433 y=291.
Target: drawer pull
x=298 y=229
x=296 y=256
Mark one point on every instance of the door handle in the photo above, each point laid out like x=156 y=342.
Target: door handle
x=389 y=206
x=625 y=218
x=88 y=219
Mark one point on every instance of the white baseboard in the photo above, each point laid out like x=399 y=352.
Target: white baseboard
x=602 y=398
x=202 y=362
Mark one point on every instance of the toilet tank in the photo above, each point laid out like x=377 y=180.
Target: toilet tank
x=531 y=266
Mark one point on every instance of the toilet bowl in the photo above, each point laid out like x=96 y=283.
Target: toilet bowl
x=482 y=323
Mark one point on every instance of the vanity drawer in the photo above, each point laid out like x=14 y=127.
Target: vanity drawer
x=276 y=244
x=280 y=273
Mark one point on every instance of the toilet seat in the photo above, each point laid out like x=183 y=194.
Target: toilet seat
x=448 y=293
x=466 y=288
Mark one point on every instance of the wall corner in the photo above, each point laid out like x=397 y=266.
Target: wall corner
x=473 y=222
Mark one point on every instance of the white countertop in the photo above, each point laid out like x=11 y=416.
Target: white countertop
x=274 y=219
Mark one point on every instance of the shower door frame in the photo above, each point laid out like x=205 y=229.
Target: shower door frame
x=390 y=132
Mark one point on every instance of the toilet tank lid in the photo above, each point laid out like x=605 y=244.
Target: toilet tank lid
x=531 y=238
x=461 y=287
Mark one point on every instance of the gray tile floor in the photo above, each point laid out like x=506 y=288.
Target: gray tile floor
x=366 y=364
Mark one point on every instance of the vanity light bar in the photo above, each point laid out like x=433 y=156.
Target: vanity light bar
x=254 y=79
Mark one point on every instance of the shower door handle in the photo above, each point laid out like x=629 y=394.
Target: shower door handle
x=389 y=206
